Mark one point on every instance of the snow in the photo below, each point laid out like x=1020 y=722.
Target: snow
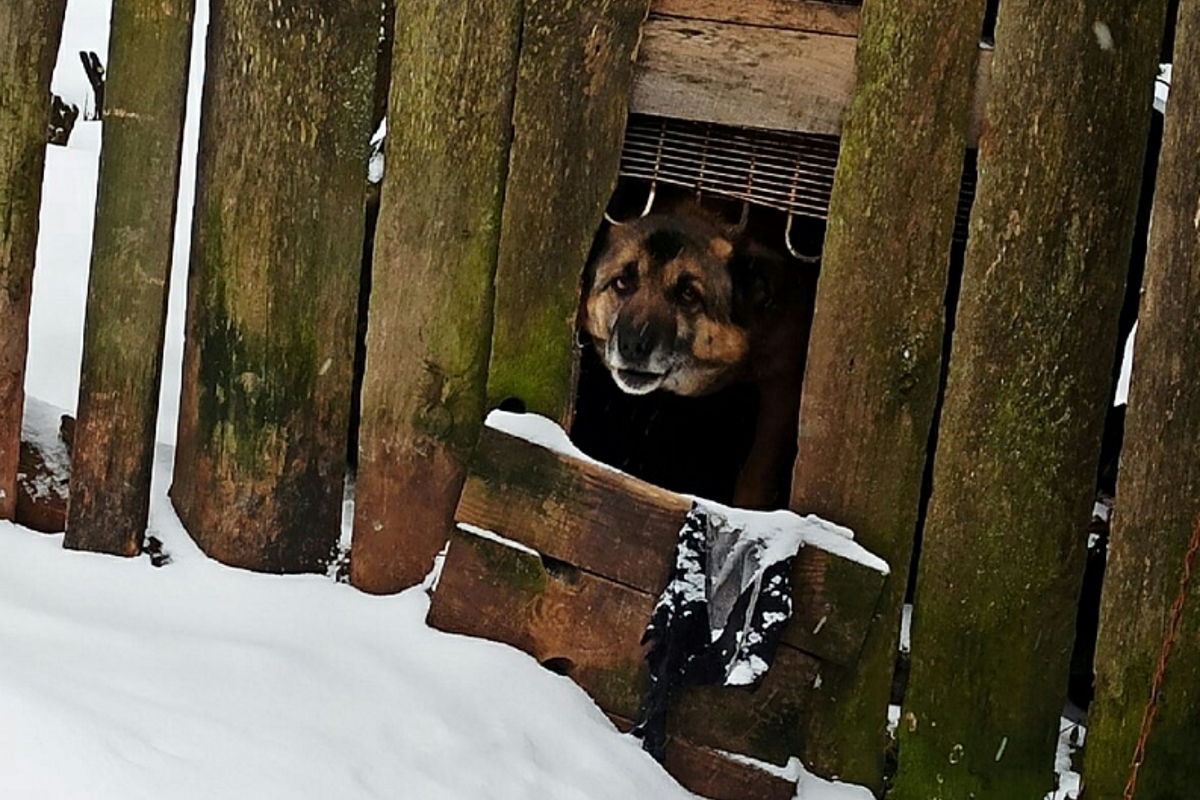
x=1122 y=392
x=1071 y=737
x=119 y=680
x=40 y=423
x=492 y=536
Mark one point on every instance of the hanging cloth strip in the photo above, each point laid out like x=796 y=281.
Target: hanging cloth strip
x=721 y=616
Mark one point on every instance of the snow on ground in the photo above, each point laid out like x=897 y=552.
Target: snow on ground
x=120 y=680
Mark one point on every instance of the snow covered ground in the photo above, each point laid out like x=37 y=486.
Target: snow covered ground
x=119 y=680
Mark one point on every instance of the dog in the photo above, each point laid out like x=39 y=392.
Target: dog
x=682 y=302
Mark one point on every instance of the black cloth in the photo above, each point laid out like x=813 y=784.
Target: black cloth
x=720 y=619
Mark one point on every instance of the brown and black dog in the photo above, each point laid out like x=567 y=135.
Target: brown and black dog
x=683 y=303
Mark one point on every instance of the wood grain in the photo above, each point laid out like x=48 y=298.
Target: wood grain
x=625 y=530
x=454 y=73
x=743 y=75
x=713 y=69
x=795 y=15
x=568 y=122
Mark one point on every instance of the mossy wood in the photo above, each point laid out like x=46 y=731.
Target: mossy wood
x=272 y=290
x=575 y=69
x=1060 y=165
x=149 y=51
x=625 y=530
x=430 y=316
x=29 y=35
x=716 y=775
x=1158 y=493
x=589 y=628
x=871 y=382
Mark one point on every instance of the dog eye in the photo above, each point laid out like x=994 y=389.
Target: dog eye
x=626 y=282
x=688 y=294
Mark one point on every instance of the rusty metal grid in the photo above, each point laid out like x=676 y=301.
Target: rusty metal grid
x=788 y=171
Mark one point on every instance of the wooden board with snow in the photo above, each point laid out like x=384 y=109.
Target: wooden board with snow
x=565 y=558
x=529 y=484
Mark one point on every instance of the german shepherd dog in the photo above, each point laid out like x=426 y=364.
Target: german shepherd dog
x=684 y=303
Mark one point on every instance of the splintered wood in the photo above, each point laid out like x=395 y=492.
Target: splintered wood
x=588 y=552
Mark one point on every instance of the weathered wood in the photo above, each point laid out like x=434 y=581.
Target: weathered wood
x=1002 y=558
x=757 y=77
x=589 y=628
x=874 y=362
x=575 y=70
x=277 y=245
x=148 y=57
x=708 y=773
x=1158 y=495
x=430 y=321
x=715 y=775
x=625 y=530
x=581 y=625
x=795 y=15
x=29 y=34
x=743 y=75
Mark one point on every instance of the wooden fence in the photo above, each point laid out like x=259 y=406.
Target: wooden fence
x=963 y=411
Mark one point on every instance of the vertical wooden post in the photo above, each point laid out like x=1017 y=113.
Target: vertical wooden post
x=576 y=69
x=1158 y=496
x=567 y=118
x=1002 y=558
x=272 y=292
x=29 y=35
x=875 y=350
x=148 y=59
x=429 y=327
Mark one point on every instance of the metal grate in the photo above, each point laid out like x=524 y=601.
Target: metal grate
x=788 y=171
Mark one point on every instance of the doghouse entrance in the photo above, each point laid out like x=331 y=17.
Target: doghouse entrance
x=777 y=184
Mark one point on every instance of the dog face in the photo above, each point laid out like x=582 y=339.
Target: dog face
x=659 y=304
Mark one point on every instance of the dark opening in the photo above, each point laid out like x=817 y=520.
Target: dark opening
x=559 y=665
x=561 y=570
x=693 y=445
x=514 y=405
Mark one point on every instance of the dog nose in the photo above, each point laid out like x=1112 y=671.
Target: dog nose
x=636 y=343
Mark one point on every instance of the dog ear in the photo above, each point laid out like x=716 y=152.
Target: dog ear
x=720 y=247
x=753 y=271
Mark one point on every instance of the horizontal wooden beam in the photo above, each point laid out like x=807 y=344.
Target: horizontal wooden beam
x=795 y=15
x=625 y=530
x=722 y=70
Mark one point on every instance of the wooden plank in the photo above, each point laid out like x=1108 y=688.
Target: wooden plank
x=1158 y=490
x=874 y=364
x=795 y=15
x=1029 y=385
x=273 y=286
x=712 y=70
x=743 y=75
x=435 y=247
x=624 y=529
x=148 y=61
x=715 y=775
x=581 y=625
x=576 y=511
x=589 y=628
x=29 y=35
x=569 y=116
